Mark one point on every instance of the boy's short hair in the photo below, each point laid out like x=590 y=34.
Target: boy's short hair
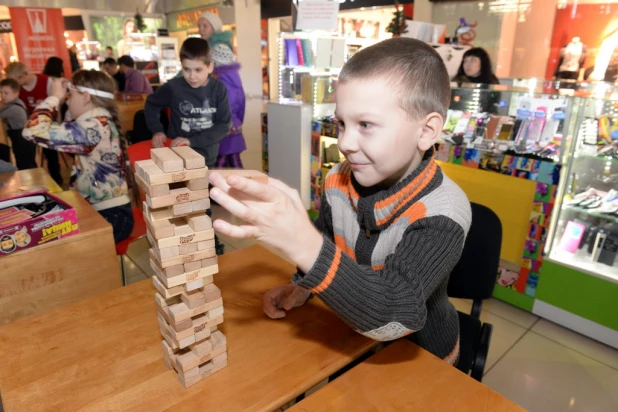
x=12 y=83
x=16 y=69
x=126 y=61
x=195 y=48
x=414 y=69
x=110 y=61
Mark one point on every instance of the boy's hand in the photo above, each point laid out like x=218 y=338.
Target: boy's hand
x=285 y=297
x=181 y=141
x=59 y=88
x=158 y=140
x=274 y=213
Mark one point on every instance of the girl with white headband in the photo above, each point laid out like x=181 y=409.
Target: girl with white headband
x=95 y=136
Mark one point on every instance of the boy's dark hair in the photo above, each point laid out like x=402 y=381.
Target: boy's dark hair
x=54 y=67
x=110 y=61
x=109 y=48
x=195 y=48
x=414 y=69
x=126 y=61
x=12 y=83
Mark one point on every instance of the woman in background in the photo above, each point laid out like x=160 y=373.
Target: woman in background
x=476 y=68
x=123 y=47
x=54 y=67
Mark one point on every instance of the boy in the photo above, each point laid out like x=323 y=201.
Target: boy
x=34 y=89
x=134 y=80
x=14 y=111
x=200 y=112
x=391 y=226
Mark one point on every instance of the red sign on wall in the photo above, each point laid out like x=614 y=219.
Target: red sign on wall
x=39 y=34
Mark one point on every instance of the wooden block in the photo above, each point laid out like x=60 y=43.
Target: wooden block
x=196 y=284
x=180 y=311
x=207 y=244
x=182 y=209
x=191 y=257
x=199 y=223
x=216 y=312
x=184 y=239
x=168 y=320
x=152 y=191
x=147 y=168
x=206 y=370
x=194 y=299
x=193 y=247
x=201 y=327
x=192 y=266
x=210 y=262
x=157 y=177
x=168 y=252
x=189 y=360
x=165 y=292
x=190 y=158
x=202 y=348
x=212 y=292
x=167 y=160
x=188 y=375
x=181 y=228
x=217 y=360
x=175 y=197
x=200 y=205
x=161 y=301
x=249 y=174
x=164 y=213
x=198 y=184
x=204 y=274
x=169 y=272
x=159 y=229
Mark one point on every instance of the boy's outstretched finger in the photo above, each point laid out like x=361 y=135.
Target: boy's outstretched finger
x=238 y=232
x=218 y=181
x=232 y=205
x=252 y=188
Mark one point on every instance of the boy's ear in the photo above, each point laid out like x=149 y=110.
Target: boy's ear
x=211 y=67
x=431 y=129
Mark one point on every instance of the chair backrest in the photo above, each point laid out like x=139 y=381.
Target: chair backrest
x=474 y=276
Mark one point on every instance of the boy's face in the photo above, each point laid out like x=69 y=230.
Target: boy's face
x=21 y=79
x=8 y=94
x=377 y=137
x=196 y=72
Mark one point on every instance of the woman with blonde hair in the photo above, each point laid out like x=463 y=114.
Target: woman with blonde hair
x=123 y=46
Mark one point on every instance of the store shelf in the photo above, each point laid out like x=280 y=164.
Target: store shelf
x=581 y=262
x=593 y=214
x=601 y=158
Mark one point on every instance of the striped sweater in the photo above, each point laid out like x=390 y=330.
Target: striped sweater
x=387 y=256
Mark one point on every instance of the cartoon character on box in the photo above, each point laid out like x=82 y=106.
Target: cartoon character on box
x=22 y=238
x=7 y=244
x=507 y=277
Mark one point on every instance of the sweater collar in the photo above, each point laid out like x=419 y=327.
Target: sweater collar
x=96 y=112
x=378 y=208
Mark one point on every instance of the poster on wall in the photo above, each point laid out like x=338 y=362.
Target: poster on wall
x=316 y=14
x=150 y=70
x=39 y=37
x=117 y=31
x=359 y=29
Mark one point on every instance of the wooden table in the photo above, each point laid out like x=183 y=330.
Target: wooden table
x=126 y=112
x=405 y=377
x=104 y=353
x=44 y=277
x=26 y=181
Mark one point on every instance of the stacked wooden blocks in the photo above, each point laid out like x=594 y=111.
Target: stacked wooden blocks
x=184 y=260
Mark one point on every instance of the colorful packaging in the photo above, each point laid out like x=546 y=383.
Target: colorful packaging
x=33 y=219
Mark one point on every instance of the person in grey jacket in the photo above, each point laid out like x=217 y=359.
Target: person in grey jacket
x=13 y=111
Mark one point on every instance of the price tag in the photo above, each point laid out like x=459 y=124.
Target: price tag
x=503 y=147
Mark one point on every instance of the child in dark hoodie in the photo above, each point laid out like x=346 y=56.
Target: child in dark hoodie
x=14 y=111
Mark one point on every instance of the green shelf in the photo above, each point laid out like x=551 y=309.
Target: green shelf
x=593 y=214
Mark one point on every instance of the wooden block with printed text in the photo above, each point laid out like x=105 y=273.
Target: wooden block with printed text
x=180 y=311
x=176 y=196
x=190 y=158
x=167 y=160
x=152 y=190
x=191 y=257
x=166 y=292
x=155 y=176
x=189 y=360
x=205 y=371
x=249 y=174
x=183 y=239
x=204 y=274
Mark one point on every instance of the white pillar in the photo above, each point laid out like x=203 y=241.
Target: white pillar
x=423 y=10
x=247 y=19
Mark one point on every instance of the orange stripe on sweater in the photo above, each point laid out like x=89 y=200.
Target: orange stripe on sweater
x=415 y=212
x=451 y=358
x=378 y=267
x=330 y=275
x=347 y=249
x=422 y=184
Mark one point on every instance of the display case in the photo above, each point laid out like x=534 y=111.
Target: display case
x=585 y=233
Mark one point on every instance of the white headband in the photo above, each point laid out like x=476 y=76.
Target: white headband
x=94 y=92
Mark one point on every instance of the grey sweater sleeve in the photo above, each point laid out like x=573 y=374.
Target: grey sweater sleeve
x=16 y=116
x=156 y=102
x=388 y=303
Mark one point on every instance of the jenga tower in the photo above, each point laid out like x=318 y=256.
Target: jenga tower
x=184 y=260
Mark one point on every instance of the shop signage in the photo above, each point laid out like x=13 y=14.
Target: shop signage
x=317 y=15
x=187 y=19
x=39 y=36
x=5 y=26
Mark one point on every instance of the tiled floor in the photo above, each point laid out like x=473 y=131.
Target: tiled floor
x=537 y=364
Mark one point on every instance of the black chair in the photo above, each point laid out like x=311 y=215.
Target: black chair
x=140 y=130
x=474 y=277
